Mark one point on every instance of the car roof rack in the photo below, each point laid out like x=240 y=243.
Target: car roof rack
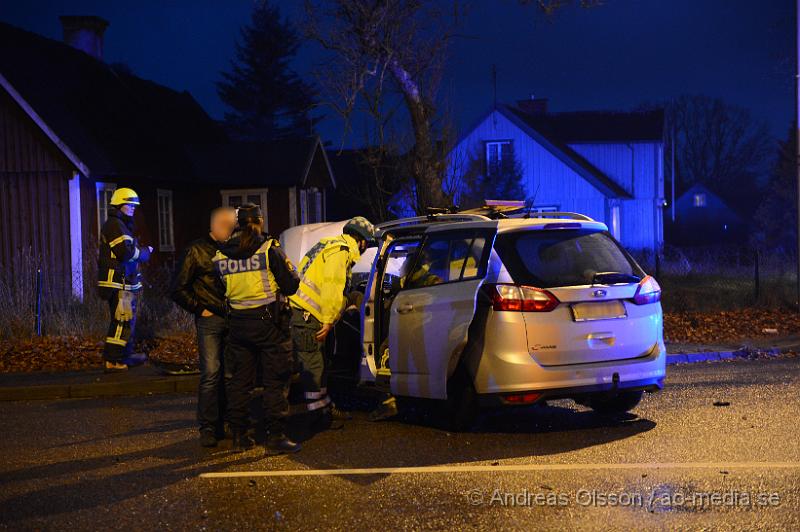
x=430 y=218
x=568 y=215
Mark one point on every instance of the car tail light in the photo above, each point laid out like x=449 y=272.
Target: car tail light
x=647 y=292
x=522 y=398
x=514 y=298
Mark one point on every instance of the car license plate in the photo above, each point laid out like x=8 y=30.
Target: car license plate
x=601 y=310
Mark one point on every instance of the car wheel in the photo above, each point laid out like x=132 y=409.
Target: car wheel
x=459 y=411
x=615 y=404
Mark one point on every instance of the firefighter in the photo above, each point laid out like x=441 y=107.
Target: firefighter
x=119 y=279
x=258 y=277
x=319 y=302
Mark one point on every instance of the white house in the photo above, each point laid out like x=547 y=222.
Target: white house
x=607 y=165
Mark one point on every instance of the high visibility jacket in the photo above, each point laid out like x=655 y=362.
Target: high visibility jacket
x=249 y=282
x=325 y=277
x=120 y=255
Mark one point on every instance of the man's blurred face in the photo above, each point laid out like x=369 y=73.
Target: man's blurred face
x=222 y=224
x=127 y=209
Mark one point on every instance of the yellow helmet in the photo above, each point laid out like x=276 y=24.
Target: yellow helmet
x=124 y=196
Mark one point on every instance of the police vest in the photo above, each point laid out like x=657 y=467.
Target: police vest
x=249 y=282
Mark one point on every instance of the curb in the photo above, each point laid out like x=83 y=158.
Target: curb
x=100 y=389
x=712 y=356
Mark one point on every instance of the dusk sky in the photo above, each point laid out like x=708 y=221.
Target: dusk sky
x=612 y=57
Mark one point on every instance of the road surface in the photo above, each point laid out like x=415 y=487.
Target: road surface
x=134 y=463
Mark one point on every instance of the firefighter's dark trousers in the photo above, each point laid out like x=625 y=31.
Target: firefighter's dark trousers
x=252 y=338
x=119 y=340
x=310 y=393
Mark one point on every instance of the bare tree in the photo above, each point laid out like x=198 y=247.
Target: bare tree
x=549 y=7
x=389 y=45
x=385 y=51
x=719 y=145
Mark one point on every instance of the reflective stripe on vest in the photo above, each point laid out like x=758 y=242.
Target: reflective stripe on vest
x=249 y=282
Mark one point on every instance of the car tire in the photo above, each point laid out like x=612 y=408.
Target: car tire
x=459 y=411
x=620 y=403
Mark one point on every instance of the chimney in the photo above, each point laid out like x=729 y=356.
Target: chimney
x=533 y=106
x=85 y=33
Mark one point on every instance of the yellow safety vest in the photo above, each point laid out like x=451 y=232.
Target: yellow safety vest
x=249 y=282
x=325 y=276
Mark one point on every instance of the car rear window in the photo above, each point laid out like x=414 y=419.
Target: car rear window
x=563 y=257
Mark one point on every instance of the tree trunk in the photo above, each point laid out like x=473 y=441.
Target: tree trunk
x=425 y=167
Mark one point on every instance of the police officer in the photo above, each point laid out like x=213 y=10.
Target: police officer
x=257 y=276
x=119 y=278
x=319 y=302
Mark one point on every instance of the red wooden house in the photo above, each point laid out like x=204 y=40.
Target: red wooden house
x=72 y=129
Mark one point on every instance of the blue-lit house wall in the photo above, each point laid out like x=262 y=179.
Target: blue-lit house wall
x=619 y=183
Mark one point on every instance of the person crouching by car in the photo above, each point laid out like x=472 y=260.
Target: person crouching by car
x=197 y=288
x=325 y=272
x=258 y=278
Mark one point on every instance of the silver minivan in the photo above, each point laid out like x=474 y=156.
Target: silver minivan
x=476 y=310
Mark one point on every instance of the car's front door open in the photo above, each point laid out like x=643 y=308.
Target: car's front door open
x=430 y=316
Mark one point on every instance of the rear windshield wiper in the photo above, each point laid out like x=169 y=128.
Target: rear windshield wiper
x=614 y=278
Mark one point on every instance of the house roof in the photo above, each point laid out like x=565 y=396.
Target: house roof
x=115 y=123
x=285 y=162
x=597 y=126
x=567 y=155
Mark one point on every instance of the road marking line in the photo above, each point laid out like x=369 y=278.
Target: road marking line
x=491 y=468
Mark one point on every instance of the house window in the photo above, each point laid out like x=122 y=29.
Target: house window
x=104 y=193
x=699 y=200
x=498 y=157
x=544 y=208
x=311 y=206
x=166 y=236
x=237 y=198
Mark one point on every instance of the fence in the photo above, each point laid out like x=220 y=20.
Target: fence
x=723 y=278
x=64 y=315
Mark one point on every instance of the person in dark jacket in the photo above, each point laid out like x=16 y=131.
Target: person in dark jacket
x=258 y=279
x=119 y=279
x=198 y=289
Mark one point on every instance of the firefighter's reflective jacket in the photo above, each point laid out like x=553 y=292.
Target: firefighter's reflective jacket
x=255 y=277
x=120 y=255
x=325 y=277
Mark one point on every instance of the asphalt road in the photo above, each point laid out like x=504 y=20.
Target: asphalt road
x=680 y=463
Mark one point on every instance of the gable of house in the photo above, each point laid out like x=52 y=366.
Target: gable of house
x=606 y=165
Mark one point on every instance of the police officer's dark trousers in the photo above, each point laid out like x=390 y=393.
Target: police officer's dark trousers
x=254 y=335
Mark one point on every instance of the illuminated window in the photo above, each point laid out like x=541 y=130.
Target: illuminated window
x=166 y=236
x=104 y=193
x=699 y=200
x=498 y=157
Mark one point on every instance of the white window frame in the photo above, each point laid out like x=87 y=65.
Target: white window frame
x=699 y=199
x=166 y=219
x=615 y=225
x=499 y=144
x=262 y=193
x=545 y=208
x=318 y=207
x=101 y=191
